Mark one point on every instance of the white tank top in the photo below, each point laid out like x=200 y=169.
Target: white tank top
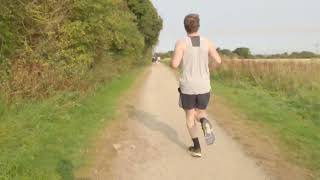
x=195 y=77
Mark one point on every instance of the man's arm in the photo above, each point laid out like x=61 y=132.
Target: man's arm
x=213 y=54
x=177 y=56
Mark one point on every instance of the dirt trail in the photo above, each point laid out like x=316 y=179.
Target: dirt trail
x=152 y=145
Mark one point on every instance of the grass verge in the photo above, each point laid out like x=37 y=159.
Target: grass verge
x=48 y=139
x=298 y=136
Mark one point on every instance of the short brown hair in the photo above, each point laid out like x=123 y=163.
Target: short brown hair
x=192 y=23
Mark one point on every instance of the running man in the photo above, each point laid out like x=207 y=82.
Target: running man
x=193 y=53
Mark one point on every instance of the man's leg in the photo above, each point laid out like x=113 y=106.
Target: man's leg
x=195 y=150
x=188 y=103
x=190 y=120
x=201 y=115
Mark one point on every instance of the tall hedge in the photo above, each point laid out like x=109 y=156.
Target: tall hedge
x=44 y=44
x=149 y=22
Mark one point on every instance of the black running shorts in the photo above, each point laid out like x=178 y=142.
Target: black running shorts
x=192 y=101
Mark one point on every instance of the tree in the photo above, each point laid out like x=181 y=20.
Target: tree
x=164 y=55
x=243 y=52
x=225 y=52
x=148 y=20
x=303 y=54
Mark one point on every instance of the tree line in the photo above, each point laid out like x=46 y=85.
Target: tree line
x=245 y=53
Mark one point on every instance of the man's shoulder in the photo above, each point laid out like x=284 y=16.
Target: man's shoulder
x=181 y=41
x=205 y=39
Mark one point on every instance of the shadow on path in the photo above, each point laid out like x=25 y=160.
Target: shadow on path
x=152 y=122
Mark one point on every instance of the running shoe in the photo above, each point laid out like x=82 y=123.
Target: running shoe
x=207 y=131
x=195 y=152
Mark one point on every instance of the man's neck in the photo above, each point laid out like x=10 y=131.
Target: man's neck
x=193 y=34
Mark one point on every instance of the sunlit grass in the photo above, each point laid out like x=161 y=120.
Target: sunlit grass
x=48 y=139
x=282 y=95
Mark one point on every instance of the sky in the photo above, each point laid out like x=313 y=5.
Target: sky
x=265 y=26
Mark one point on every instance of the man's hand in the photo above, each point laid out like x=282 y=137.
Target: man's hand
x=213 y=54
x=177 y=56
x=213 y=65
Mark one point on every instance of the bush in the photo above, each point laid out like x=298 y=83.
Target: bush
x=148 y=20
x=46 y=46
x=242 y=52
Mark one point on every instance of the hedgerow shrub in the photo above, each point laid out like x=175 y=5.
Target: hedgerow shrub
x=46 y=46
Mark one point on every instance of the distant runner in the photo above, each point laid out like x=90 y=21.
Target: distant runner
x=194 y=52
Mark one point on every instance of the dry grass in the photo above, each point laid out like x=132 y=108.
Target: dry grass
x=284 y=96
x=39 y=80
x=283 y=75
x=283 y=60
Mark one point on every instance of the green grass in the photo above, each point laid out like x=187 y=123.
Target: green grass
x=47 y=140
x=297 y=128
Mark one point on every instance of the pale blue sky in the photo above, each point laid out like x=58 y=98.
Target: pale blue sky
x=266 y=26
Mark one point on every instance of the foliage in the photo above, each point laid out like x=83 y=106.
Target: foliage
x=298 y=80
x=49 y=139
x=293 y=55
x=242 y=52
x=283 y=95
x=297 y=138
x=165 y=55
x=303 y=54
x=246 y=53
x=226 y=53
x=47 y=46
x=148 y=20
x=76 y=56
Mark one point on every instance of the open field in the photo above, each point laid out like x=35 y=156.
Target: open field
x=282 y=95
x=285 y=76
